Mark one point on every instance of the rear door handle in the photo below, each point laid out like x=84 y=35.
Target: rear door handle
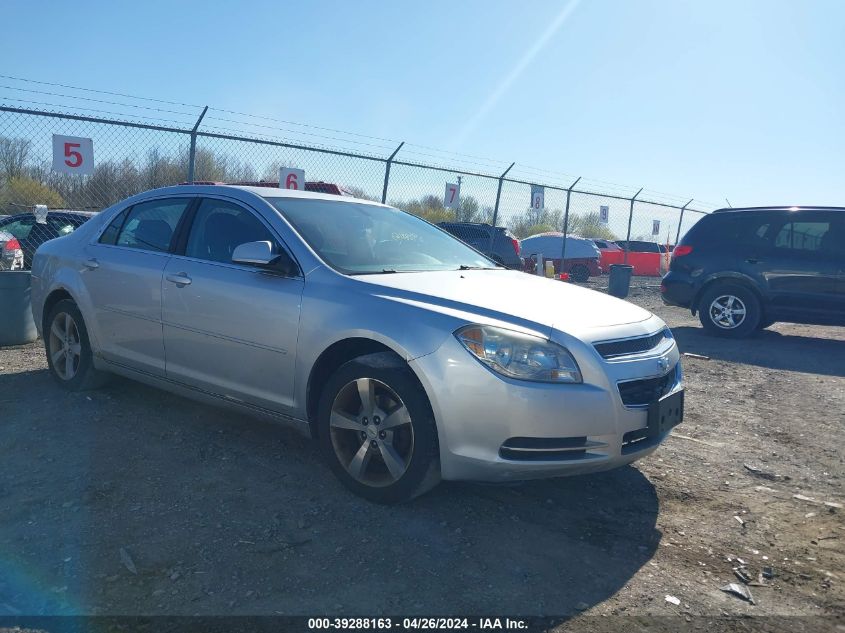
x=91 y=264
x=752 y=260
x=180 y=279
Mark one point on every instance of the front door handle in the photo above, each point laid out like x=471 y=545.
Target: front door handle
x=91 y=264
x=752 y=260
x=180 y=279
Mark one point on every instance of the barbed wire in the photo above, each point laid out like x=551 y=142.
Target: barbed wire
x=530 y=172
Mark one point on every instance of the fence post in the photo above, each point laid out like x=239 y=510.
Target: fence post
x=496 y=208
x=193 y=153
x=566 y=223
x=630 y=217
x=387 y=172
x=681 y=221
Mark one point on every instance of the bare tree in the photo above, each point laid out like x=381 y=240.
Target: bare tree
x=13 y=155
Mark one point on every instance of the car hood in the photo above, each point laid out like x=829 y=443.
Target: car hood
x=511 y=297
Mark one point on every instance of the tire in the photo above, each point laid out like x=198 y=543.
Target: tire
x=382 y=464
x=68 y=349
x=730 y=310
x=579 y=273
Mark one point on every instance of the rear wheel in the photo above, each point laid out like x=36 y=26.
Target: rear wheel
x=68 y=348
x=729 y=310
x=376 y=428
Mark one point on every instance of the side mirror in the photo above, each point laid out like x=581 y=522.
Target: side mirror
x=255 y=253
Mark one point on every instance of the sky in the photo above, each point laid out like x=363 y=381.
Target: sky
x=716 y=100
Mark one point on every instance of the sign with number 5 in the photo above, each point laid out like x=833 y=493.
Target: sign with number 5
x=292 y=178
x=73 y=154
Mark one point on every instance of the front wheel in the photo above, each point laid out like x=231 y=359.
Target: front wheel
x=376 y=428
x=729 y=310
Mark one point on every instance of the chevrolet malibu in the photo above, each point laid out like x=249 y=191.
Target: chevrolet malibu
x=408 y=356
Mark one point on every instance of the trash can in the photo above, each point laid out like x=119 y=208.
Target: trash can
x=16 y=324
x=620 y=280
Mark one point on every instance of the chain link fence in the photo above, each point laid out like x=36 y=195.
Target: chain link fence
x=131 y=157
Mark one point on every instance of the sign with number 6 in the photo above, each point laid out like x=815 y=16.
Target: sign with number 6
x=73 y=154
x=292 y=178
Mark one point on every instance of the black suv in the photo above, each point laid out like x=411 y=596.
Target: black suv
x=744 y=269
x=505 y=250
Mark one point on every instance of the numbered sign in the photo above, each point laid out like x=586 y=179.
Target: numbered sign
x=604 y=214
x=73 y=154
x=655 y=227
x=538 y=197
x=292 y=178
x=452 y=197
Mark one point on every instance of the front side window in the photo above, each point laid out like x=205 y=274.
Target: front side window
x=150 y=225
x=219 y=227
x=359 y=238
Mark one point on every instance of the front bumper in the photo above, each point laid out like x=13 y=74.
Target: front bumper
x=497 y=429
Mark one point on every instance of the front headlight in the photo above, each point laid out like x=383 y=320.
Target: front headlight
x=519 y=356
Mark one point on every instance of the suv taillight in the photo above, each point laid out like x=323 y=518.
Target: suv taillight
x=12 y=245
x=680 y=251
x=515 y=243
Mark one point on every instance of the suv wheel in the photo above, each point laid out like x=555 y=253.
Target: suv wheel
x=376 y=428
x=729 y=310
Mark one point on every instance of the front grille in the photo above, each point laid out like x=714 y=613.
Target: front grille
x=612 y=349
x=541 y=449
x=642 y=392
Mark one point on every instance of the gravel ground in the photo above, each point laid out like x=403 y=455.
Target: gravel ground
x=129 y=500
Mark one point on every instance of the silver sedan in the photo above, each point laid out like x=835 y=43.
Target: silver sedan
x=409 y=356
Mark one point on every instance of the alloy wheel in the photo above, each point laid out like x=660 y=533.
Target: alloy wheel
x=65 y=346
x=371 y=432
x=727 y=311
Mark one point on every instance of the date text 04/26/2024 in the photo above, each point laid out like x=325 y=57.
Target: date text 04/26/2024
x=417 y=623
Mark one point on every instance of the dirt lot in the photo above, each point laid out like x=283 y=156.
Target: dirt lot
x=129 y=500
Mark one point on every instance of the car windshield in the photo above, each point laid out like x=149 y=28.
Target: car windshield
x=358 y=238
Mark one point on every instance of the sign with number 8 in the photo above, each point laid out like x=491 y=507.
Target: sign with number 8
x=73 y=154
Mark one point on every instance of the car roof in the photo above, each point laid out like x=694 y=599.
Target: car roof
x=778 y=208
x=262 y=191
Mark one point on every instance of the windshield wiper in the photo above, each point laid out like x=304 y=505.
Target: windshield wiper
x=383 y=271
x=464 y=267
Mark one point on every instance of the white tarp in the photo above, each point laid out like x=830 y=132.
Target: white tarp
x=550 y=244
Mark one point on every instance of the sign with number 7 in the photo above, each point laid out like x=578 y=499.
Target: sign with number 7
x=452 y=197
x=73 y=154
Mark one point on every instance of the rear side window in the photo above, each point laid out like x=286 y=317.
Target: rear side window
x=802 y=236
x=109 y=236
x=730 y=228
x=150 y=226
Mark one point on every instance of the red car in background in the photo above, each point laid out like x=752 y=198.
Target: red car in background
x=649 y=259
